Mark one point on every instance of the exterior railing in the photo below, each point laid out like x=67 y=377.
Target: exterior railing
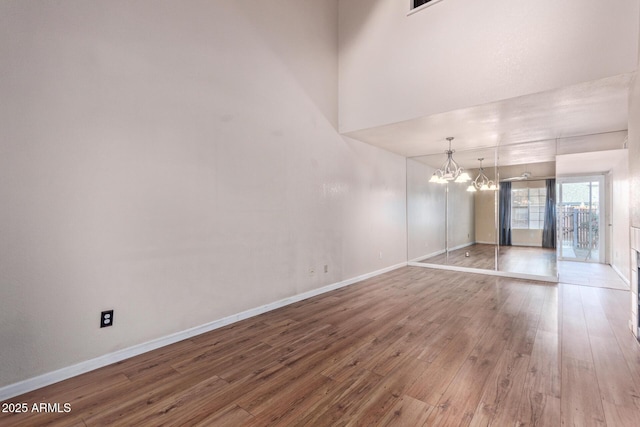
x=579 y=227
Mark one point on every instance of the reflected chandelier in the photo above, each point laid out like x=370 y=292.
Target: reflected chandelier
x=450 y=170
x=482 y=182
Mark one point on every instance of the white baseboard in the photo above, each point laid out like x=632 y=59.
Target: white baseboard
x=49 y=378
x=464 y=245
x=621 y=274
x=440 y=252
x=539 y=278
x=425 y=256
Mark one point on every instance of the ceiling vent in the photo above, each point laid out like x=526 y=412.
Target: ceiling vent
x=416 y=5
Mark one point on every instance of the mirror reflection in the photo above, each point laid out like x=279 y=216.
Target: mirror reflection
x=501 y=219
x=527 y=217
x=453 y=223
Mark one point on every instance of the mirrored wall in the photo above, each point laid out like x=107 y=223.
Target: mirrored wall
x=493 y=224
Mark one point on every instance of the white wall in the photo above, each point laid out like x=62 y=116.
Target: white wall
x=462 y=216
x=177 y=162
x=426 y=212
x=620 y=218
x=394 y=64
x=634 y=153
x=634 y=192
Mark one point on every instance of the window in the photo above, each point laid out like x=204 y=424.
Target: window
x=527 y=208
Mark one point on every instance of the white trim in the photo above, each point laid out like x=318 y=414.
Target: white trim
x=422 y=7
x=441 y=251
x=621 y=274
x=603 y=240
x=464 y=245
x=635 y=239
x=524 y=245
x=432 y=254
x=482 y=242
x=524 y=276
x=49 y=378
x=578 y=177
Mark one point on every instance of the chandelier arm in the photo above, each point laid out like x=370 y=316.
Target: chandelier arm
x=451 y=170
x=481 y=179
x=444 y=166
x=457 y=170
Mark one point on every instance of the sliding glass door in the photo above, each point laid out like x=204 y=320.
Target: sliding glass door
x=580 y=219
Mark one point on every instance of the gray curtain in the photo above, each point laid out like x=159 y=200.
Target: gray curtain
x=504 y=214
x=549 y=230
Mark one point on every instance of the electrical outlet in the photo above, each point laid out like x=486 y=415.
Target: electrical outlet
x=326 y=268
x=106 y=318
x=312 y=271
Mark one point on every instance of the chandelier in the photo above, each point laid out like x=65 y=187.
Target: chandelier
x=482 y=182
x=450 y=170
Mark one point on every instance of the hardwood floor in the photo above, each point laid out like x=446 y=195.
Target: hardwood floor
x=480 y=256
x=514 y=259
x=412 y=347
x=528 y=260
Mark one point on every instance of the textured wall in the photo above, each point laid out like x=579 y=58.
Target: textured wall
x=426 y=210
x=177 y=162
x=620 y=217
x=392 y=66
x=462 y=225
x=634 y=153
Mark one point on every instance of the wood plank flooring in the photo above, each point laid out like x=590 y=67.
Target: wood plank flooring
x=481 y=256
x=514 y=259
x=528 y=260
x=412 y=347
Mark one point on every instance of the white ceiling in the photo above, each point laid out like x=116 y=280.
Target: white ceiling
x=542 y=119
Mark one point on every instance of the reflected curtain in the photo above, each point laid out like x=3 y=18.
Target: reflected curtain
x=549 y=230
x=504 y=214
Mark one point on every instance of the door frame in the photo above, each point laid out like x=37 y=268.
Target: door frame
x=603 y=208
